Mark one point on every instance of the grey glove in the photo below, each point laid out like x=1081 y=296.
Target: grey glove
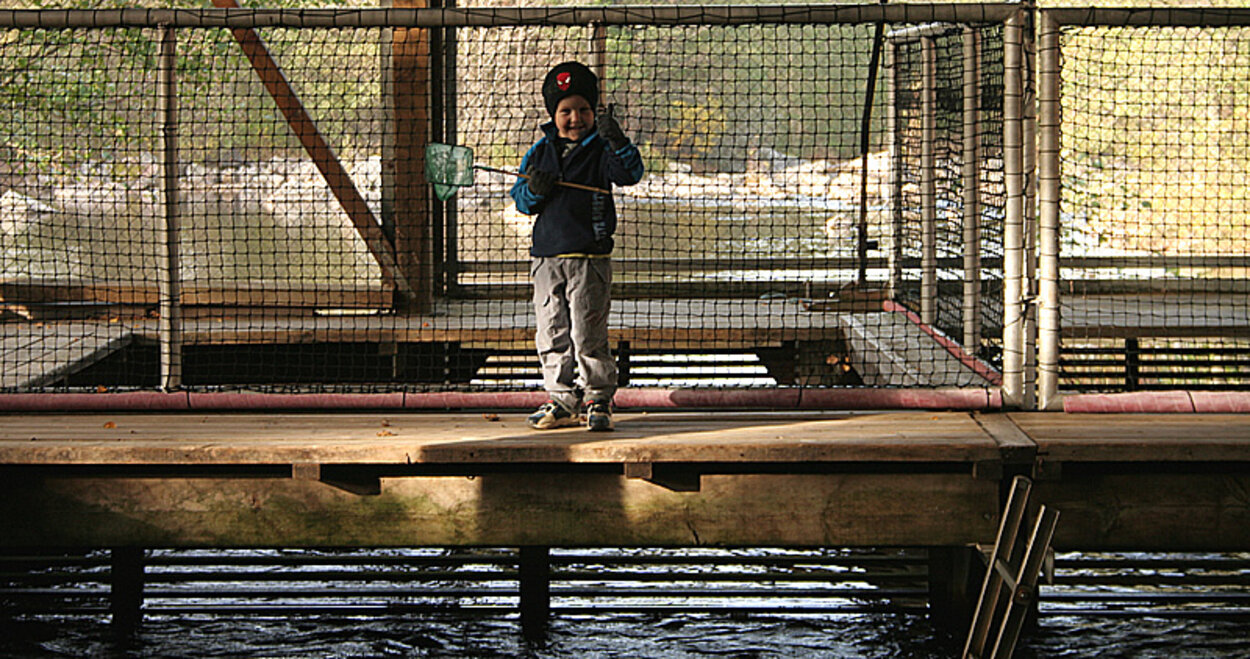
x=610 y=130
x=541 y=182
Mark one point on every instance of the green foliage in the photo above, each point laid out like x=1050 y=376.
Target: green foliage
x=695 y=129
x=1157 y=136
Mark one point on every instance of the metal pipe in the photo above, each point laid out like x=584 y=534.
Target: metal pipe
x=928 y=182
x=972 y=190
x=169 y=325
x=918 y=32
x=895 y=259
x=865 y=132
x=824 y=14
x=630 y=398
x=1028 y=96
x=1048 y=193
x=1013 y=228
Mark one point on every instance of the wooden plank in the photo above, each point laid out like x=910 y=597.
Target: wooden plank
x=412 y=438
x=1150 y=511
x=213 y=331
x=1170 y=315
x=888 y=350
x=34 y=356
x=251 y=293
x=503 y=509
x=647 y=324
x=1138 y=437
x=1015 y=445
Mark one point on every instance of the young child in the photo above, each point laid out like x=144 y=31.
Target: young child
x=572 y=245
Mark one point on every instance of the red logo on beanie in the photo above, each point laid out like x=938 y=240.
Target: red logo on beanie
x=563 y=80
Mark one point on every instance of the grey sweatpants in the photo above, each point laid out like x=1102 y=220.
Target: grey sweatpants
x=571 y=302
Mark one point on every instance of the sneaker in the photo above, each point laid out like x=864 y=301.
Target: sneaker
x=552 y=415
x=598 y=415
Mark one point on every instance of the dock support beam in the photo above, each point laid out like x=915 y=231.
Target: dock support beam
x=126 y=589
x=955 y=576
x=534 y=577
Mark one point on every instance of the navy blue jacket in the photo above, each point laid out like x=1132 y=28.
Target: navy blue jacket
x=572 y=221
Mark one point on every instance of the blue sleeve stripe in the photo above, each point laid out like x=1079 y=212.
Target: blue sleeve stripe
x=632 y=160
x=526 y=201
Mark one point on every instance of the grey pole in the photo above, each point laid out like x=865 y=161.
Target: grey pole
x=928 y=190
x=1028 y=102
x=1048 y=164
x=169 y=326
x=972 y=191
x=896 y=180
x=1013 y=228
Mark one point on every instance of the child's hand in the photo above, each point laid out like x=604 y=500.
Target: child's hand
x=610 y=130
x=541 y=182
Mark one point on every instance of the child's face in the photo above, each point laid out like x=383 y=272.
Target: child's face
x=574 y=118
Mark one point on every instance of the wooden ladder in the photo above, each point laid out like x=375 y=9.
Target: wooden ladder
x=1010 y=585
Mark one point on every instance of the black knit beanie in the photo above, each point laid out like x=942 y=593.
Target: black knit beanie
x=568 y=79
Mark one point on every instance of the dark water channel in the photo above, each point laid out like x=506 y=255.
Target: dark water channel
x=605 y=603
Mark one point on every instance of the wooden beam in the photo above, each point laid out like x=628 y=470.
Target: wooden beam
x=645 y=442
x=410 y=102
x=503 y=509
x=241 y=293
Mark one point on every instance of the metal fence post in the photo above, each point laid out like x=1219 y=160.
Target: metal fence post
x=1049 y=114
x=895 y=258
x=1028 y=102
x=168 y=279
x=972 y=191
x=928 y=190
x=1013 y=227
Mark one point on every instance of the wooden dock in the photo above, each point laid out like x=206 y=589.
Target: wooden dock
x=884 y=348
x=1120 y=482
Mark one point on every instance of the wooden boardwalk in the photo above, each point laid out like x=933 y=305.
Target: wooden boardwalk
x=1124 y=482
x=885 y=348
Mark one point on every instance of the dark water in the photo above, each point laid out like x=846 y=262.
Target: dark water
x=1163 y=611
x=680 y=635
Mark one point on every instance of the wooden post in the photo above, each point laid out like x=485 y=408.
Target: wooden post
x=1132 y=363
x=413 y=208
x=534 y=577
x=623 y=355
x=126 y=589
x=955 y=577
x=168 y=281
x=599 y=55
